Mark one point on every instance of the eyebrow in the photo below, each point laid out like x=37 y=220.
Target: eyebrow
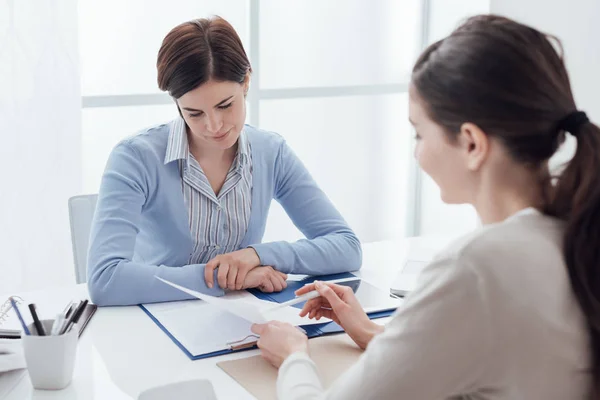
x=220 y=104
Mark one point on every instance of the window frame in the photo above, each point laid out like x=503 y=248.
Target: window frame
x=256 y=94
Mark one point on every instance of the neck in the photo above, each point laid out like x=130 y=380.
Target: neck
x=499 y=200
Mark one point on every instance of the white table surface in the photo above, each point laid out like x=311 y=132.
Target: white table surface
x=123 y=352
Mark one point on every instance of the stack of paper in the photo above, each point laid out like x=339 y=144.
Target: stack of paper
x=11 y=355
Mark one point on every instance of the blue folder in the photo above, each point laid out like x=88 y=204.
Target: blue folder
x=312 y=331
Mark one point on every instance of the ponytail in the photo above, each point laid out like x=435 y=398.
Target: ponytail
x=576 y=200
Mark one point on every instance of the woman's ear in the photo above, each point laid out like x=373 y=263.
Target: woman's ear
x=475 y=143
x=246 y=84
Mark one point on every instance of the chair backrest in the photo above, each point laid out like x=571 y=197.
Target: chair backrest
x=81 y=213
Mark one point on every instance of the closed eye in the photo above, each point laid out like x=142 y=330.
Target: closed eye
x=223 y=107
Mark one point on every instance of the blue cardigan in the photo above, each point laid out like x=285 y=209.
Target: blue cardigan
x=140 y=228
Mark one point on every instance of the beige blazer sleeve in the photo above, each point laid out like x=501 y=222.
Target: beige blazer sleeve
x=435 y=346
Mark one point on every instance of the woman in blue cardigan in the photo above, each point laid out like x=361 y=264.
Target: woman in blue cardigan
x=188 y=201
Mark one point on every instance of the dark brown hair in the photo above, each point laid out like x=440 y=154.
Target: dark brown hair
x=508 y=79
x=197 y=51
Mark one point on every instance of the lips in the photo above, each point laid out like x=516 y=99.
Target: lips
x=221 y=137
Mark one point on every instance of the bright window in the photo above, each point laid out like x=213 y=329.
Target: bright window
x=330 y=76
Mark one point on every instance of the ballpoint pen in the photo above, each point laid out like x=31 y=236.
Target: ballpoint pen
x=23 y=324
x=36 y=321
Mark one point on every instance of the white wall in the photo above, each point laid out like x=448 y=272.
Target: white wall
x=40 y=155
x=575 y=23
x=438 y=218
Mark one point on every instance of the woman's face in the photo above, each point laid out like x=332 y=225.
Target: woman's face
x=443 y=161
x=215 y=113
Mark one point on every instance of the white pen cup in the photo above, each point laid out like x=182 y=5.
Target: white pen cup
x=50 y=359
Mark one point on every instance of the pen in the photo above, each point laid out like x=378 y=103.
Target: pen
x=71 y=314
x=69 y=310
x=67 y=307
x=310 y=295
x=79 y=314
x=75 y=315
x=305 y=297
x=36 y=321
x=58 y=322
x=14 y=306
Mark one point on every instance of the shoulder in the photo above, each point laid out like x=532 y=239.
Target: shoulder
x=516 y=234
x=149 y=144
x=261 y=139
x=495 y=261
x=506 y=248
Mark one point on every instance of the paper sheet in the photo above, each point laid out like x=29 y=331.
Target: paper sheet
x=11 y=355
x=199 y=326
x=250 y=308
x=231 y=304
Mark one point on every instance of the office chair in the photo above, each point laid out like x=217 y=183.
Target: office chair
x=81 y=212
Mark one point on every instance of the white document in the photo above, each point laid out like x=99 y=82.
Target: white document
x=9 y=380
x=231 y=304
x=215 y=323
x=11 y=355
x=199 y=326
x=250 y=308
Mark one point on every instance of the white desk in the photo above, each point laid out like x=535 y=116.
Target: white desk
x=122 y=352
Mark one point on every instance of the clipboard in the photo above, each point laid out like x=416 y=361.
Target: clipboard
x=238 y=343
x=183 y=321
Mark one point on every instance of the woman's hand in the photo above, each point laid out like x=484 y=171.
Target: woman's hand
x=232 y=268
x=339 y=303
x=266 y=279
x=279 y=340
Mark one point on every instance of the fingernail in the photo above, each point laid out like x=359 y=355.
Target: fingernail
x=318 y=284
x=210 y=285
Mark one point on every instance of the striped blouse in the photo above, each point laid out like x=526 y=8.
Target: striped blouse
x=218 y=223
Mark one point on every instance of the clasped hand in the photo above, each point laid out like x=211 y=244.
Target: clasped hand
x=241 y=269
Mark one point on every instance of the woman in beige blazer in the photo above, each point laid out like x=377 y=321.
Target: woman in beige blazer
x=511 y=311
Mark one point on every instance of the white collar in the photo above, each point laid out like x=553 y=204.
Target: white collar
x=525 y=211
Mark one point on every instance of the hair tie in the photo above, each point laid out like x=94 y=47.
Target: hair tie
x=573 y=122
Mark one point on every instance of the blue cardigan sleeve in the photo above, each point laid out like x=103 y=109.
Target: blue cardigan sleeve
x=330 y=245
x=113 y=278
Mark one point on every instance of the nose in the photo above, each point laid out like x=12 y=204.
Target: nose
x=214 y=123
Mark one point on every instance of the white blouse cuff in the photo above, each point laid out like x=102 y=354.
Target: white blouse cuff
x=299 y=355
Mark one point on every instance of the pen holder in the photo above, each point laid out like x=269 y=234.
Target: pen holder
x=50 y=359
